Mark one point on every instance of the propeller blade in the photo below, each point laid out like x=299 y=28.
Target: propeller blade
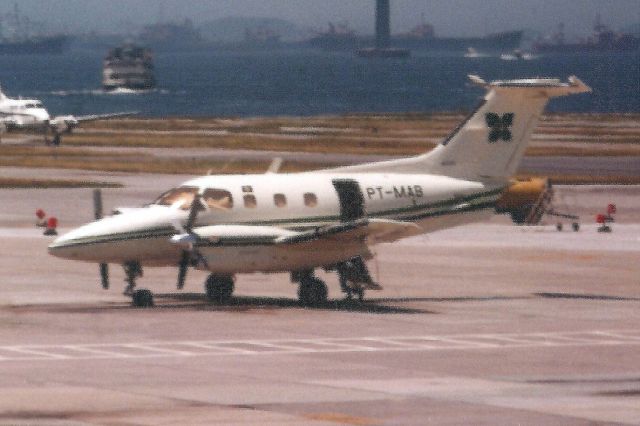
x=97 y=212
x=97 y=203
x=182 y=271
x=193 y=213
x=187 y=239
x=104 y=274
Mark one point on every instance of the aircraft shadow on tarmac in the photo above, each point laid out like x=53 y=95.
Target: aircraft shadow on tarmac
x=369 y=305
x=627 y=384
x=586 y=296
x=199 y=302
x=247 y=303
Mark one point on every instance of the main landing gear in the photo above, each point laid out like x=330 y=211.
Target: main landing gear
x=312 y=291
x=355 y=278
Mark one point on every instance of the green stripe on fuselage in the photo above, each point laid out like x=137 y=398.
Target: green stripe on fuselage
x=414 y=212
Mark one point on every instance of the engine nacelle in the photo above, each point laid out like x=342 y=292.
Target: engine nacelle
x=522 y=196
x=64 y=123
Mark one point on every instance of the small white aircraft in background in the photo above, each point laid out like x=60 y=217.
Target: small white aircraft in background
x=30 y=115
x=233 y=224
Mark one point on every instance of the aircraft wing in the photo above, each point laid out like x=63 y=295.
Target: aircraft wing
x=377 y=230
x=94 y=117
x=372 y=230
x=66 y=123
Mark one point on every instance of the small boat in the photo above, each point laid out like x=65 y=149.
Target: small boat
x=473 y=53
x=516 y=55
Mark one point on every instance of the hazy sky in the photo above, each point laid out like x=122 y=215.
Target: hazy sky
x=449 y=17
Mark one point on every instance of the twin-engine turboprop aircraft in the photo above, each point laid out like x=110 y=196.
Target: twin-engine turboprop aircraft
x=30 y=115
x=327 y=219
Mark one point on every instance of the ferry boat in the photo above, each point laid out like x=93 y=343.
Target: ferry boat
x=128 y=67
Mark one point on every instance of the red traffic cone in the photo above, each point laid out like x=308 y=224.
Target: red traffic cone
x=52 y=224
x=602 y=220
x=41 y=218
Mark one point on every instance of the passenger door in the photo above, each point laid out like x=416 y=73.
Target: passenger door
x=351 y=199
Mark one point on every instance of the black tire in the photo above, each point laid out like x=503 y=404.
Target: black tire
x=142 y=298
x=312 y=292
x=559 y=227
x=575 y=226
x=219 y=289
x=519 y=216
x=360 y=294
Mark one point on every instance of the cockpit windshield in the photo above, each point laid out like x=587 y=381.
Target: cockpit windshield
x=220 y=199
x=183 y=196
x=180 y=197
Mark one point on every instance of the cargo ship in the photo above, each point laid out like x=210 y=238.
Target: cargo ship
x=128 y=67
x=602 y=39
x=340 y=37
x=53 y=45
x=16 y=37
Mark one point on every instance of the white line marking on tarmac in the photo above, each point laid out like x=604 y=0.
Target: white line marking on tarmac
x=66 y=352
x=37 y=353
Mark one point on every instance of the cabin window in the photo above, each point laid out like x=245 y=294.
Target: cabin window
x=180 y=197
x=310 y=199
x=280 y=200
x=217 y=199
x=250 y=201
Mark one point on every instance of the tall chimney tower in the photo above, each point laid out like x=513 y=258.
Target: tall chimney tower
x=383 y=32
x=383 y=47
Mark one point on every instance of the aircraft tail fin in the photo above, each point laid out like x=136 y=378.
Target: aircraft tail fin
x=490 y=143
x=2 y=95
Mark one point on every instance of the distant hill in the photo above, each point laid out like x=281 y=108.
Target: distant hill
x=233 y=29
x=632 y=29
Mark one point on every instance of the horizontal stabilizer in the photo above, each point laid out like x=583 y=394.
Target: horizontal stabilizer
x=490 y=143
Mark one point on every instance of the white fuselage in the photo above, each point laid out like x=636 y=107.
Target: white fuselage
x=291 y=202
x=23 y=114
x=327 y=218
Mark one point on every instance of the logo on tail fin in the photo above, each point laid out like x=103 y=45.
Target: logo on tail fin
x=499 y=126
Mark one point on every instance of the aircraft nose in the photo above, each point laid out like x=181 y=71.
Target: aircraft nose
x=63 y=247
x=42 y=115
x=76 y=244
x=117 y=239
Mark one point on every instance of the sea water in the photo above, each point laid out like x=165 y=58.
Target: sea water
x=308 y=82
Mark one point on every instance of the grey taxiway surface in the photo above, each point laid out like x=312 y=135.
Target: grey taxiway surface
x=484 y=324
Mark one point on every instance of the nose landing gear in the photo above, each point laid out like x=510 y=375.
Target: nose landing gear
x=141 y=298
x=219 y=288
